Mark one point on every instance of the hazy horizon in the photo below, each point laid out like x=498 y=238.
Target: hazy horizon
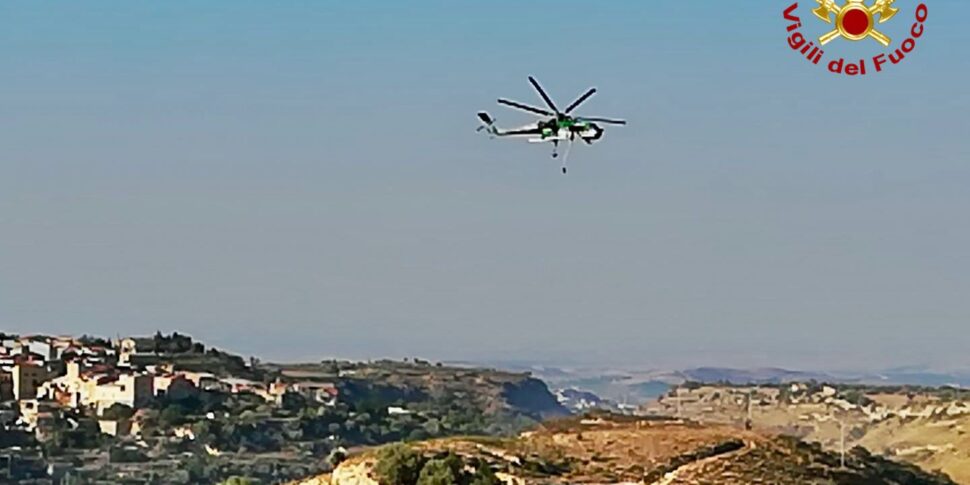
x=298 y=180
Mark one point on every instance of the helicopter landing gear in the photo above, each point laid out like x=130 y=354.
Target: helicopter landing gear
x=564 y=170
x=555 y=148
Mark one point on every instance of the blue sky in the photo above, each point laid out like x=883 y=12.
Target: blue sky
x=300 y=179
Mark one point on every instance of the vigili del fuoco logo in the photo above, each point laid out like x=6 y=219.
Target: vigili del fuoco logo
x=854 y=21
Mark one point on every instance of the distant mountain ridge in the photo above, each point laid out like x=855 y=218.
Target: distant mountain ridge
x=638 y=384
x=911 y=376
x=768 y=375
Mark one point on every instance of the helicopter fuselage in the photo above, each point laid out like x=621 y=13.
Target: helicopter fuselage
x=568 y=129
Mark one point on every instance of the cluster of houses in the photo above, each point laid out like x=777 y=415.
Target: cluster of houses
x=43 y=376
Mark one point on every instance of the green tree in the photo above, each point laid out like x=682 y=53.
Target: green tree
x=336 y=456
x=856 y=397
x=199 y=469
x=438 y=471
x=202 y=431
x=126 y=455
x=118 y=411
x=172 y=415
x=398 y=464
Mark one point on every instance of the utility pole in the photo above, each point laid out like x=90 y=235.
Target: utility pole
x=842 y=442
x=749 y=423
x=750 y=398
x=841 y=421
x=678 y=402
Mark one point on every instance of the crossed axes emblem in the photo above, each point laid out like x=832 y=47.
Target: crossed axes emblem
x=855 y=8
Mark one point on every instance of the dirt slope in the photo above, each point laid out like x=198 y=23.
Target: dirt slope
x=654 y=452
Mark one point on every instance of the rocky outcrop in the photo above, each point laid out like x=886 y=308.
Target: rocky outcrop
x=531 y=397
x=355 y=472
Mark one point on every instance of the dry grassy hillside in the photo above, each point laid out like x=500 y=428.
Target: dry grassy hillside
x=654 y=452
x=922 y=428
x=932 y=443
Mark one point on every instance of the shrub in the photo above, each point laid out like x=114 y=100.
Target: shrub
x=398 y=464
x=438 y=472
x=126 y=455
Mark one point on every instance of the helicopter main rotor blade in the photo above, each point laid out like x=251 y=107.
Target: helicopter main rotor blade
x=525 y=107
x=602 y=120
x=545 y=97
x=580 y=100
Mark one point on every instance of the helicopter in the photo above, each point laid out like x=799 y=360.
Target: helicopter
x=557 y=126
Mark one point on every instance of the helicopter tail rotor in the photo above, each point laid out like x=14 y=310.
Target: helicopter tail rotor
x=488 y=124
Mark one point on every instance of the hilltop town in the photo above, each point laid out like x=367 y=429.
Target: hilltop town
x=168 y=409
